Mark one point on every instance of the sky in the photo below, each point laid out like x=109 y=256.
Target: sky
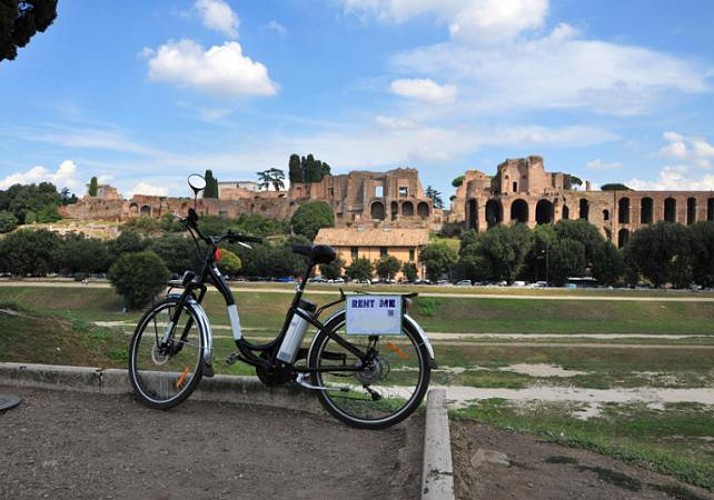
x=141 y=94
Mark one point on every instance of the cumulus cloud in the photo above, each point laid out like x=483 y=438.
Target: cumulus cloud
x=694 y=151
x=424 y=89
x=561 y=69
x=147 y=189
x=221 y=71
x=603 y=165
x=471 y=20
x=690 y=171
x=277 y=27
x=217 y=15
x=64 y=176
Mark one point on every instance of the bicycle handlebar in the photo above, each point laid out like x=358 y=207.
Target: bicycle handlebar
x=192 y=222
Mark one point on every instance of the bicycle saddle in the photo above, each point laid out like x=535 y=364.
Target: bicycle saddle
x=319 y=254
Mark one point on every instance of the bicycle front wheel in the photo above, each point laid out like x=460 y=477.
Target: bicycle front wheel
x=165 y=363
x=373 y=391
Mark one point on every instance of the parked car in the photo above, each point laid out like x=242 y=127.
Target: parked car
x=463 y=283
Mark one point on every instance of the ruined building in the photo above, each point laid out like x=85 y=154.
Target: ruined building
x=522 y=191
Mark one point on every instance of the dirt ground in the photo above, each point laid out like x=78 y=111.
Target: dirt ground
x=69 y=445
x=492 y=464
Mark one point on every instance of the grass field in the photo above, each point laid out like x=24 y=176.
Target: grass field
x=651 y=344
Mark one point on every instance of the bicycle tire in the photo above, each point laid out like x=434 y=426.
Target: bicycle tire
x=401 y=384
x=163 y=377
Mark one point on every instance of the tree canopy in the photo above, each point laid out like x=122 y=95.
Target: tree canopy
x=306 y=169
x=614 y=187
x=20 y=20
x=138 y=277
x=272 y=177
x=211 y=190
x=310 y=217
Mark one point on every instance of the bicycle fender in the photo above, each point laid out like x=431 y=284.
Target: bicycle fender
x=408 y=320
x=204 y=327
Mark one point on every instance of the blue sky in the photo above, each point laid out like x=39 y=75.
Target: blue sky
x=140 y=94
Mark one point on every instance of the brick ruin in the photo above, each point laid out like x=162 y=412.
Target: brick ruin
x=521 y=191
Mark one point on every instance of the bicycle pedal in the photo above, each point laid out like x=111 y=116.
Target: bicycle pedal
x=233 y=358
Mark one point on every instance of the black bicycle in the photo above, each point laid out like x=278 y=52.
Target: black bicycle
x=365 y=377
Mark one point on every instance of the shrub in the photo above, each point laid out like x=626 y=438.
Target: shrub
x=138 y=277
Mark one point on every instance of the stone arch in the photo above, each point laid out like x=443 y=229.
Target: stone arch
x=623 y=237
x=710 y=209
x=408 y=209
x=472 y=214
x=423 y=209
x=145 y=211
x=623 y=210
x=494 y=213
x=691 y=211
x=133 y=209
x=566 y=212
x=545 y=212
x=376 y=211
x=670 y=210
x=519 y=211
x=606 y=214
x=584 y=208
x=646 y=210
x=394 y=209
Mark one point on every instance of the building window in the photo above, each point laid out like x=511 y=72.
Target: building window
x=354 y=252
x=331 y=192
x=382 y=251
x=378 y=191
x=403 y=192
x=515 y=187
x=411 y=255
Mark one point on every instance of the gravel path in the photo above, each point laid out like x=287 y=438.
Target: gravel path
x=69 y=445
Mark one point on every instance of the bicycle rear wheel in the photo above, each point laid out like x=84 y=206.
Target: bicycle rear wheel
x=165 y=363
x=376 y=394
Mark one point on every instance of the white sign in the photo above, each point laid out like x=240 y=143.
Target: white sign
x=374 y=315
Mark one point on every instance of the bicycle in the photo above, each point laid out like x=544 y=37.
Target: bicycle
x=366 y=380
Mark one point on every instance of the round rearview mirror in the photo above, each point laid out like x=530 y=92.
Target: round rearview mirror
x=197 y=182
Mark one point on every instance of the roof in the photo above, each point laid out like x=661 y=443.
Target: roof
x=371 y=237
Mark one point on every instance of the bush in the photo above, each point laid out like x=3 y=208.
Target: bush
x=138 y=278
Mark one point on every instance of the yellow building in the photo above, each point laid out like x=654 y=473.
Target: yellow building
x=375 y=243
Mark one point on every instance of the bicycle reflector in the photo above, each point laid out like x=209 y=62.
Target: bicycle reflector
x=218 y=255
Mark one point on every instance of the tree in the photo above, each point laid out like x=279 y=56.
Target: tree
x=333 y=270
x=435 y=197
x=93 y=187
x=504 y=248
x=614 y=187
x=211 y=190
x=295 y=169
x=566 y=259
x=32 y=202
x=388 y=267
x=307 y=169
x=272 y=177
x=230 y=263
x=8 y=222
x=662 y=253
x=360 y=269
x=79 y=254
x=609 y=265
x=310 y=217
x=177 y=252
x=30 y=252
x=438 y=258
x=20 y=20
x=127 y=242
x=458 y=181
x=410 y=271
x=702 y=234
x=138 y=277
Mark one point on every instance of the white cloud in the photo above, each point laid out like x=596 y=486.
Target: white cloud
x=493 y=20
x=424 y=89
x=220 y=71
x=277 y=27
x=602 y=165
x=64 y=176
x=692 y=151
x=395 y=123
x=472 y=20
x=217 y=15
x=674 y=178
x=559 y=70
x=147 y=189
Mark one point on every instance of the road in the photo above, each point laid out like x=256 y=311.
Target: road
x=71 y=445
